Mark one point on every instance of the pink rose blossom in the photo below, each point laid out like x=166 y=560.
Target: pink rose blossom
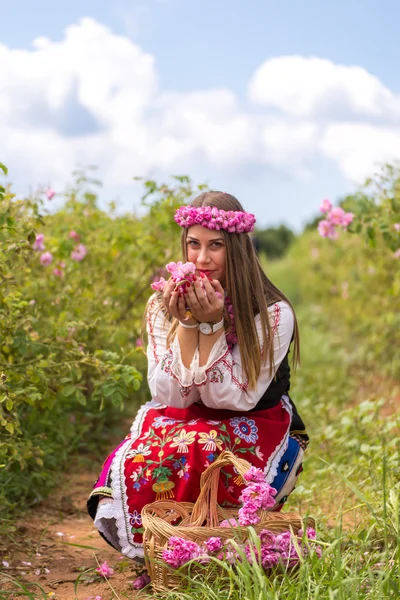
x=180 y=270
x=139 y=343
x=58 y=272
x=229 y=523
x=397 y=253
x=347 y=219
x=397 y=226
x=141 y=581
x=50 y=193
x=325 y=206
x=254 y=474
x=79 y=252
x=180 y=551
x=326 y=229
x=213 y=544
x=335 y=216
x=158 y=286
x=46 y=258
x=105 y=570
x=74 y=236
x=32 y=302
x=38 y=243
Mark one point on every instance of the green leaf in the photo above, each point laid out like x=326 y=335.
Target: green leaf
x=68 y=390
x=10 y=428
x=80 y=397
x=31 y=237
x=3 y=168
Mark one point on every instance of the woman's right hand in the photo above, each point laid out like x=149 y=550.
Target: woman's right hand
x=167 y=292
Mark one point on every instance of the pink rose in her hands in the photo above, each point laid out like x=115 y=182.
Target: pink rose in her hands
x=158 y=286
x=180 y=270
x=46 y=258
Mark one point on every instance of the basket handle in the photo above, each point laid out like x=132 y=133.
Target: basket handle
x=206 y=507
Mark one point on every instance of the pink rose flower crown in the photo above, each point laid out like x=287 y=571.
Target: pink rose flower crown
x=233 y=221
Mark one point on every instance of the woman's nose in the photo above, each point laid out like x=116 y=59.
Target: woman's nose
x=203 y=257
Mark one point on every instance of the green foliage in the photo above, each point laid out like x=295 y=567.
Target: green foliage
x=273 y=241
x=70 y=331
x=377 y=209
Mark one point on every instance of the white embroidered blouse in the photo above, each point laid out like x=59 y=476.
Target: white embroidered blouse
x=221 y=383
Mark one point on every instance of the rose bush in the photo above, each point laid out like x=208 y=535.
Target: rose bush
x=354 y=277
x=73 y=289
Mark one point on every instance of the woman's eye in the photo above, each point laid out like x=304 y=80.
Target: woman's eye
x=192 y=243
x=216 y=245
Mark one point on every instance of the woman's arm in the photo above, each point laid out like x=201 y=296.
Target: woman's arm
x=170 y=380
x=222 y=382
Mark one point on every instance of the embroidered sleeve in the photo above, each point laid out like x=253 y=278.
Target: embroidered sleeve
x=222 y=382
x=170 y=382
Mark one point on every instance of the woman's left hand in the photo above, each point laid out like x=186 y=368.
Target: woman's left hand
x=203 y=302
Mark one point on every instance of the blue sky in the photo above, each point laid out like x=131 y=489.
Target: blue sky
x=202 y=48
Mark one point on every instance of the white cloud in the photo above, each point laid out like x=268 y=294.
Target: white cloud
x=94 y=98
x=312 y=87
x=359 y=148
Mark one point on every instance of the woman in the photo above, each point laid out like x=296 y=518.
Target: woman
x=219 y=376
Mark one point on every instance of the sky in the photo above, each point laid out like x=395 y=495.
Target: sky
x=282 y=103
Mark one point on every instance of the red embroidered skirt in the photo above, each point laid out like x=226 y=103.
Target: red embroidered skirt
x=166 y=452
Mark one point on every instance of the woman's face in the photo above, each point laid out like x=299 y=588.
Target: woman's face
x=206 y=249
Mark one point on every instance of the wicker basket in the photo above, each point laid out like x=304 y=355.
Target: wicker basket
x=199 y=521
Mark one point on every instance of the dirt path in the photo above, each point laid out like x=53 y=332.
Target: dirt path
x=48 y=551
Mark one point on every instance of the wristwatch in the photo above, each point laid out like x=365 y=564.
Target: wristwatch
x=210 y=328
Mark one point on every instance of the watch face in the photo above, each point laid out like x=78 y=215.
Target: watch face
x=205 y=328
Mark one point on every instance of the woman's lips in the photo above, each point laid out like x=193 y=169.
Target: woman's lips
x=205 y=272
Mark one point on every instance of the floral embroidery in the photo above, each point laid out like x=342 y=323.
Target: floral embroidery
x=166 y=362
x=163 y=421
x=259 y=454
x=210 y=440
x=184 y=472
x=140 y=477
x=183 y=440
x=139 y=453
x=135 y=518
x=216 y=375
x=245 y=428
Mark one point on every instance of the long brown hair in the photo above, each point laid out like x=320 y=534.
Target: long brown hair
x=250 y=293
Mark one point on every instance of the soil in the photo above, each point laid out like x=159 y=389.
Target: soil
x=60 y=537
